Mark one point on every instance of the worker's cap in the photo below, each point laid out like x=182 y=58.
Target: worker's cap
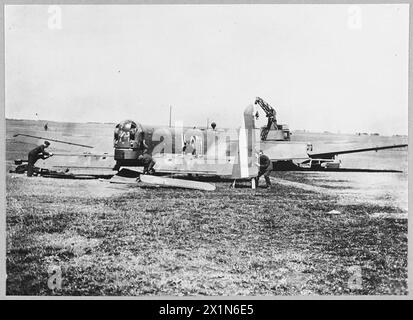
x=47 y=143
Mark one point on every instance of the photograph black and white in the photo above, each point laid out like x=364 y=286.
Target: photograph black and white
x=224 y=150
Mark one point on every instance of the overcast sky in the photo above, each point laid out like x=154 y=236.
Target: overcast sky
x=323 y=67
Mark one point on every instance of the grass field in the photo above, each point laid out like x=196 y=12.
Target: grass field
x=109 y=239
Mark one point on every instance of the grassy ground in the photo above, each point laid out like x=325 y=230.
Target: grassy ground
x=115 y=240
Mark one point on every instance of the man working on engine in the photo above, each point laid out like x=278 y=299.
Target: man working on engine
x=36 y=154
x=265 y=169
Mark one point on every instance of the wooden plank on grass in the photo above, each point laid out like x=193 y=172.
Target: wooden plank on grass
x=179 y=183
x=122 y=180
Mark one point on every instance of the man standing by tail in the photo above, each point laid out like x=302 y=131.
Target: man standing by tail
x=265 y=169
x=36 y=154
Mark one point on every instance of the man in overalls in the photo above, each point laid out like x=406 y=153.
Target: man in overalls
x=148 y=163
x=265 y=169
x=36 y=154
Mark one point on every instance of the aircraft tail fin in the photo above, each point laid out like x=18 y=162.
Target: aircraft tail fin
x=248 y=146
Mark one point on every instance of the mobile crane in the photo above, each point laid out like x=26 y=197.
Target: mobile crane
x=281 y=132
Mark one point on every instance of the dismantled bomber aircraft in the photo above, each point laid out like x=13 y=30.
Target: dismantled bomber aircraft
x=177 y=151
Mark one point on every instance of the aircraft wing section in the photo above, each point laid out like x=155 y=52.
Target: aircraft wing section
x=330 y=155
x=281 y=151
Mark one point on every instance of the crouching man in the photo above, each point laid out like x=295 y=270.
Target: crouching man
x=36 y=154
x=265 y=169
x=148 y=163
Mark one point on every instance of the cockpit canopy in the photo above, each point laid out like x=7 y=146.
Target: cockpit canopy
x=128 y=125
x=127 y=132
